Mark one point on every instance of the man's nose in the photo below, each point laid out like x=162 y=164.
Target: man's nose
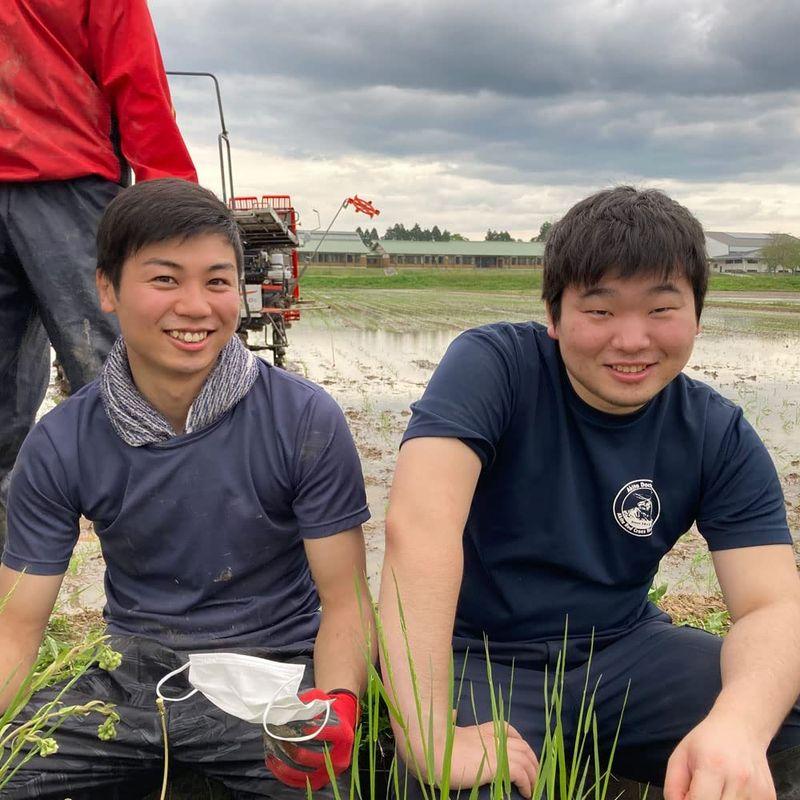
x=192 y=302
x=631 y=335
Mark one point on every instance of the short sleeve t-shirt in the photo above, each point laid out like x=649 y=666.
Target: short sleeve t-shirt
x=574 y=508
x=202 y=534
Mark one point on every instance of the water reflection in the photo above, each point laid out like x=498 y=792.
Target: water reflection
x=759 y=372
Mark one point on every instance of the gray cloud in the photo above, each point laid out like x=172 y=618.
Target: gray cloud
x=588 y=91
x=515 y=48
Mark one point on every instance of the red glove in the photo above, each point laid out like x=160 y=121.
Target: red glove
x=294 y=763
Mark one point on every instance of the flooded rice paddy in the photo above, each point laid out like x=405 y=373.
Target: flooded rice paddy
x=374 y=351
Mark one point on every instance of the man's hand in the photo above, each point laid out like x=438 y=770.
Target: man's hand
x=474 y=758
x=295 y=763
x=719 y=760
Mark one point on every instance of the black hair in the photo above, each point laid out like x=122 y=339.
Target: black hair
x=625 y=232
x=156 y=211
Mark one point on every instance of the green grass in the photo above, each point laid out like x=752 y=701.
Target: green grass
x=755 y=283
x=468 y=280
x=511 y=280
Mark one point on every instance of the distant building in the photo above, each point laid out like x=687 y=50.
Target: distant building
x=727 y=252
x=345 y=248
x=337 y=249
x=737 y=252
x=483 y=255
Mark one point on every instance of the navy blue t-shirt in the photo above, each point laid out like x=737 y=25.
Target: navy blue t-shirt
x=202 y=534
x=574 y=508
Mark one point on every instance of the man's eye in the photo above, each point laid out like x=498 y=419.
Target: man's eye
x=219 y=282
x=163 y=279
x=598 y=312
x=662 y=309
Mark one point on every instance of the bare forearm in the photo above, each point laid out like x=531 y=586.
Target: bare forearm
x=427 y=590
x=25 y=605
x=761 y=668
x=17 y=657
x=432 y=491
x=345 y=645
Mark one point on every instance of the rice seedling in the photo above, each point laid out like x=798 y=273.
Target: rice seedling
x=568 y=769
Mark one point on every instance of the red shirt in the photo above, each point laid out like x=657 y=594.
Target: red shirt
x=65 y=67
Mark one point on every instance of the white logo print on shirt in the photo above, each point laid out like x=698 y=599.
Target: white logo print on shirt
x=637 y=507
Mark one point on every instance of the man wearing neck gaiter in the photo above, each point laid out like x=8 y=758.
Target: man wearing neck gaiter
x=228 y=499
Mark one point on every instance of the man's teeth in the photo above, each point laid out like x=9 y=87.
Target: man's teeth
x=631 y=368
x=189 y=336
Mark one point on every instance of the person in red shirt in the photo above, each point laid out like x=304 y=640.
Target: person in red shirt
x=83 y=99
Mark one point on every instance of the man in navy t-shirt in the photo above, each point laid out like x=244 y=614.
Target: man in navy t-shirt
x=543 y=475
x=228 y=499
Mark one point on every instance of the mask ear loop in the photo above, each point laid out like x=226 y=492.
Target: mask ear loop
x=307 y=737
x=172 y=675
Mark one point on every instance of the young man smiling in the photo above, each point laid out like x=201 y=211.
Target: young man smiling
x=544 y=474
x=228 y=500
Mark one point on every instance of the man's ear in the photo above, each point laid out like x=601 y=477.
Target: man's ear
x=105 y=292
x=552 y=328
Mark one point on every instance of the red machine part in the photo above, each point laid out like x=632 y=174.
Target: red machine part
x=282 y=205
x=365 y=206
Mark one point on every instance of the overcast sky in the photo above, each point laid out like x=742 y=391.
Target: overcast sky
x=496 y=114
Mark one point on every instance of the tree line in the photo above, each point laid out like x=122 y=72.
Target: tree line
x=417 y=233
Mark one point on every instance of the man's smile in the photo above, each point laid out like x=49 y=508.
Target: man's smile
x=631 y=373
x=188 y=336
x=629 y=368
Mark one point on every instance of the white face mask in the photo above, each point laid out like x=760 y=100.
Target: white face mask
x=254 y=689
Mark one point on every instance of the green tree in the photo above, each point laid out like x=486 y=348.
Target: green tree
x=417 y=234
x=397 y=231
x=544 y=231
x=498 y=236
x=783 y=251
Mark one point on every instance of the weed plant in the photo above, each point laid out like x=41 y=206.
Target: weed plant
x=59 y=637
x=58 y=662
x=716 y=621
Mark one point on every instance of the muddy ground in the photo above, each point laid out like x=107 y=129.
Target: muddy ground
x=374 y=351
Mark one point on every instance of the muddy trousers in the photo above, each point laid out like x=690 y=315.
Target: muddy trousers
x=674 y=675
x=47 y=292
x=201 y=737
